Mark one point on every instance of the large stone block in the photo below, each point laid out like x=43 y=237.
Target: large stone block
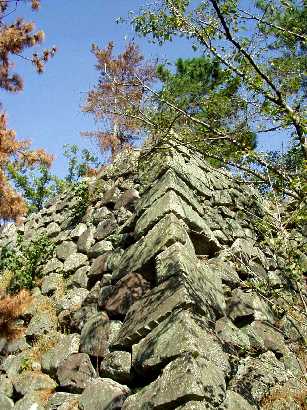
x=155 y=306
x=97 y=334
x=193 y=175
x=181 y=333
x=184 y=378
x=166 y=232
x=180 y=261
x=170 y=202
x=169 y=181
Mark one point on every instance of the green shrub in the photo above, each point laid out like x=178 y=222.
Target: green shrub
x=23 y=261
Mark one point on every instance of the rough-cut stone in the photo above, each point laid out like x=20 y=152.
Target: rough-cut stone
x=164 y=233
x=78 y=231
x=79 y=278
x=171 y=202
x=105 y=228
x=86 y=240
x=234 y=401
x=99 y=265
x=180 y=261
x=233 y=337
x=53 y=265
x=103 y=394
x=5 y=402
x=256 y=376
x=29 y=381
x=60 y=399
x=120 y=297
x=72 y=300
x=184 y=378
x=195 y=405
x=180 y=333
x=52 y=283
x=31 y=401
x=6 y=386
x=169 y=181
x=42 y=322
x=127 y=199
x=100 y=248
x=12 y=364
x=97 y=335
x=76 y=372
x=153 y=308
x=65 y=249
x=243 y=306
x=67 y=345
x=74 y=262
x=53 y=229
x=101 y=214
x=117 y=366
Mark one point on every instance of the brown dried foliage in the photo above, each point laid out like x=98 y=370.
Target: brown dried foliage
x=14 y=39
x=15 y=152
x=11 y=308
x=118 y=96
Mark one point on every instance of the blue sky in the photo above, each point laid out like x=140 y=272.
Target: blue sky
x=48 y=110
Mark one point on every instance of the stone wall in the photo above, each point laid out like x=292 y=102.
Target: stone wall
x=150 y=299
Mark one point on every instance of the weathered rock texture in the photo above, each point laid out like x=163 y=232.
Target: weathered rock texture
x=152 y=297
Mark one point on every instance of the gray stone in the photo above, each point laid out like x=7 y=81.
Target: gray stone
x=169 y=181
x=97 y=335
x=166 y=232
x=78 y=231
x=29 y=381
x=43 y=322
x=101 y=214
x=195 y=405
x=100 y=248
x=103 y=394
x=67 y=345
x=99 y=265
x=79 y=278
x=226 y=270
x=13 y=364
x=53 y=229
x=74 y=262
x=234 y=338
x=180 y=261
x=171 y=202
x=53 y=265
x=75 y=373
x=105 y=228
x=127 y=199
x=244 y=305
x=32 y=400
x=256 y=376
x=153 y=308
x=52 y=283
x=117 y=299
x=86 y=240
x=72 y=300
x=59 y=399
x=6 y=386
x=117 y=366
x=5 y=402
x=181 y=333
x=184 y=378
x=234 y=401
x=65 y=249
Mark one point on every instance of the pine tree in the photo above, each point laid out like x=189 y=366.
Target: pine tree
x=117 y=99
x=15 y=37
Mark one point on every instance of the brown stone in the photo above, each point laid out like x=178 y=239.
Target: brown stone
x=120 y=297
x=75 y=372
